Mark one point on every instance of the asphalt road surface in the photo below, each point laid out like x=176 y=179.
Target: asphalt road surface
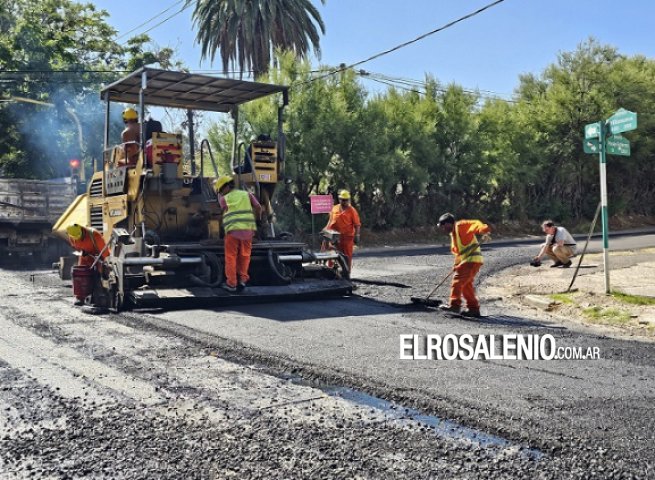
x=312 y=389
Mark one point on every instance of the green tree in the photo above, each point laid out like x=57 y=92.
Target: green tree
x=409 y=156
x=57 y=52
x=247 y=32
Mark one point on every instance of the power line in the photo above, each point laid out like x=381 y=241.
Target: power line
x=165 y=20
x=411 y=85
x=405 y=44
x=150 y=19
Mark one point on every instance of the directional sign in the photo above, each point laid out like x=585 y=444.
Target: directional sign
x=590 y=145
x=622 y=121
x=592 y=130
x=618 y=145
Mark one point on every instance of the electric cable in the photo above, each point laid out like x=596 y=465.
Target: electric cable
x=149 y=20
x=410 y=85
x=405 y=44
x=167 y=19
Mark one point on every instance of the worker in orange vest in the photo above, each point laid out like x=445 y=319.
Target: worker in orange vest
x=345 y=220
x=468 y=261
x=88 y=241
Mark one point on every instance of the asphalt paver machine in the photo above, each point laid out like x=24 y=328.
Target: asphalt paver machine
x=159 y=216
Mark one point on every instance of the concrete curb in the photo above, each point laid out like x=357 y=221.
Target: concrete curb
x=539 y=302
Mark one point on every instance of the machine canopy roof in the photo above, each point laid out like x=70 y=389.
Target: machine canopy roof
x=187 y=90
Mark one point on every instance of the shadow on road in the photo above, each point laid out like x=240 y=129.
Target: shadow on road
x=293 y=311
x=490 y=320
x=512 y=321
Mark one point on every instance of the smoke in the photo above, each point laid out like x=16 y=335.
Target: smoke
x=65 y=126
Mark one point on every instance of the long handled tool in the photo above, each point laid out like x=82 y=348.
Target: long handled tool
x=584 y=250
x=427 y=301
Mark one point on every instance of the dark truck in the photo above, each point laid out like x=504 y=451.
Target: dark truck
x=28 y=209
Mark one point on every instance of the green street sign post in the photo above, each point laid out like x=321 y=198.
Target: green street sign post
x=592 y=130
x=622 y=121
x=597 y=140
x=618 y=145
x=590 y=145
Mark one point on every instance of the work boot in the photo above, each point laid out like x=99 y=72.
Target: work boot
x=471 y=313
x=556 y=264
x=450 y=308
x=241 y=286
x=567 y=264
x=228 y=288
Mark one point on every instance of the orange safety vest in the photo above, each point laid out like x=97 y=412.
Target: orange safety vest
x=467 y=252
x=344 y=221
x=91 y=243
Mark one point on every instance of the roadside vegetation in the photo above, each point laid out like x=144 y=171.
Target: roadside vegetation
x=608 y=316
x=633 y=299
x=407 y=153
x=54 y=56
x=565 y=298
x=617 y=309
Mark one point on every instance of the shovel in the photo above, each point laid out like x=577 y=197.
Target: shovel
x=427 y=301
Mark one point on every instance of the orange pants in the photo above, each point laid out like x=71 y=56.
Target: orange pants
x=237 y=260
x=462 y=286
x=346 y=246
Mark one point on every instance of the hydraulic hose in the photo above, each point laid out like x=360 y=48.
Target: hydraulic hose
x=273 y=263
x=216 y=271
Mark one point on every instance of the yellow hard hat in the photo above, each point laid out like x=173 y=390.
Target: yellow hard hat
x=344 y=195
x=130 y=114
x=75 y=231
x=221 y=182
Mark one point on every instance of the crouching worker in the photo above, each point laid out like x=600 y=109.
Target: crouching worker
x=90 y=244
x=240 y=211
x=88 y=241
x=559 y=245
x=468 y=261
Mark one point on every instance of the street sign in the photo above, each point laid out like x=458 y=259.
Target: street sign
x=590 y=145
x=602 y=137
x=618 y=145
x=622 y=121
x=592 y=130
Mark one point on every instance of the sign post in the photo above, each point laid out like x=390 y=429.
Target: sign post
x=603 y=138
x=319 y=204
x=603 y=205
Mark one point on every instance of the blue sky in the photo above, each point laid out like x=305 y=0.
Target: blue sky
x=488 y=51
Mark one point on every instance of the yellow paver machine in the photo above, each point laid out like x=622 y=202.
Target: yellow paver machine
x=159 y=217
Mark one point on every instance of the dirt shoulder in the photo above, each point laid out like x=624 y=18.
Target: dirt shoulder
x=629 y=311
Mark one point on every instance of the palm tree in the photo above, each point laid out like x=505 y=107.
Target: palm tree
x=247 y=32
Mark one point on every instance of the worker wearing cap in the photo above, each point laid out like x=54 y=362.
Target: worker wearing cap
x=131 y=134
x=345 y=220
x=468 y=261
x=240 y=211
x=88 y=241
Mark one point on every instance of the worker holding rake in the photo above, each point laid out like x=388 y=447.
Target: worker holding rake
x=468 y=261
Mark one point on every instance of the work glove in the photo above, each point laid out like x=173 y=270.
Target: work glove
x=485 y=238
x=357 y=239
